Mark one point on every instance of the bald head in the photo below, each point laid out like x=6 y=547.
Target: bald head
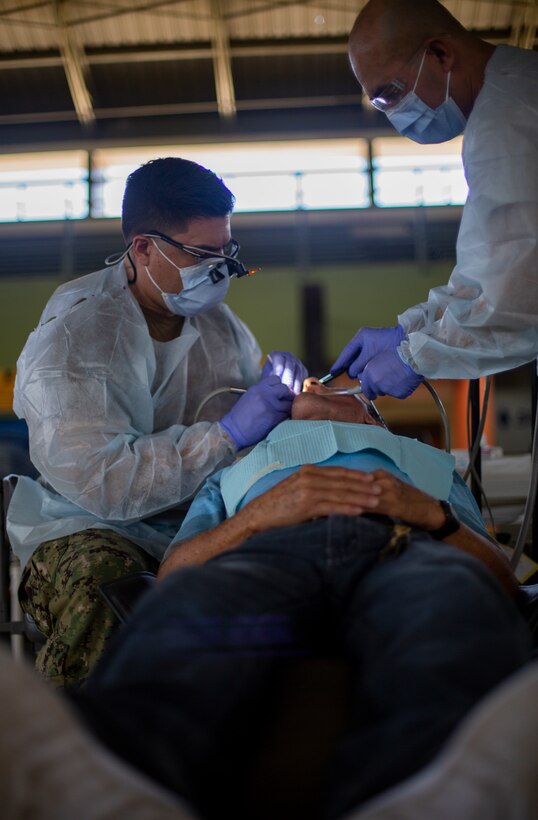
x=393 y=28
x=389 y=36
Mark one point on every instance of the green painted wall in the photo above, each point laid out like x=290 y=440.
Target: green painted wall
x=21 y=304
x=269 y=302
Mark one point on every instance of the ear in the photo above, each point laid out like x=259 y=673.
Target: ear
x=442 y=50
x=140 y=248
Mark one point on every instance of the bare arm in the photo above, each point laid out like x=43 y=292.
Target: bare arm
x=311 y=492
x=402 y=500
x=314 y=492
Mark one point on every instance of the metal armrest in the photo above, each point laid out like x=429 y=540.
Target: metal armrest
x=123 y=594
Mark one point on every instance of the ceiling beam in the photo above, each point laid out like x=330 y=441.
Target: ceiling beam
x=171 y=109
x=75 y=66
x=222 y=63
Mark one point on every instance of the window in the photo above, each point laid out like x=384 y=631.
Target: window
x=313 y=174
x=264 y=176
x=407 y=174
x=110 y=169
x=45 y=185
x=275 y=175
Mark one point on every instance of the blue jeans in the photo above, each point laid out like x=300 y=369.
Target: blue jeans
x=425 y=633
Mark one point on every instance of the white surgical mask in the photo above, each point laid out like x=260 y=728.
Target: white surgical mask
x=416 y=120
x=205 y=286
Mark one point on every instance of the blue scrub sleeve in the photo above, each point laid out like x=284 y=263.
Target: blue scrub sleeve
x=466 y=507
x=206 y=511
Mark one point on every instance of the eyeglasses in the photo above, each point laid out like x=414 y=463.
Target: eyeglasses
x=230 y=252
x=391 y=94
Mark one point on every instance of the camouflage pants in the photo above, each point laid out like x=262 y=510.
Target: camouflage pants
x=59 y=589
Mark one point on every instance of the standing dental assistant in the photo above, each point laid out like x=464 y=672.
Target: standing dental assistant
x=109 y=384
x=435 y=80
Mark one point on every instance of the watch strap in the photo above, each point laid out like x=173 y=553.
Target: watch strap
x=450 y=525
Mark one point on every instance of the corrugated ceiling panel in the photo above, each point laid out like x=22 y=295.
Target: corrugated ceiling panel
x=26 y=30
x=118 y=23
x=174 y=22
x=336 y=18
x=476 y=14
x=296 y=20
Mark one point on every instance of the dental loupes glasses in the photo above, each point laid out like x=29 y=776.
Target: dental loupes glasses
x=235 y=267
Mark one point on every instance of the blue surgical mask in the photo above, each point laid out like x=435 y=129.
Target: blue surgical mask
x=416 y=120
x=205 y=286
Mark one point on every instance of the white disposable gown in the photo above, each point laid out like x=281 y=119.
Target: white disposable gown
x=486 y=318
x=110 y=413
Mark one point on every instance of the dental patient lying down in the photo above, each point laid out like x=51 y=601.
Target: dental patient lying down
x=328 y=537
x=378 y=472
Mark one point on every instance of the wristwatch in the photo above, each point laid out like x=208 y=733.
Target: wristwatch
x=451 y=523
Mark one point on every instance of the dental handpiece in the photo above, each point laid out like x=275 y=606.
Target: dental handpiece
x=330 y=376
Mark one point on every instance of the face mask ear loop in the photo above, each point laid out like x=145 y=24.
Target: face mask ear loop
x=115 y=258
x=166 y=257
x=152 y=279
x=133 y=280
x=447 y=85
x=419 y=71
x=169 y=261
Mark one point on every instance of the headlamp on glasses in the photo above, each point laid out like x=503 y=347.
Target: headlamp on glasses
x=229 y=255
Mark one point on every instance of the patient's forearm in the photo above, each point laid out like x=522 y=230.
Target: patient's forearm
x=311 y=492
x=401 y=500
x=490 y=554
x=232 y=532
x=201 y=548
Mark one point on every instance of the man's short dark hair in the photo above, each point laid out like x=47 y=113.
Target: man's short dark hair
x=165 y=194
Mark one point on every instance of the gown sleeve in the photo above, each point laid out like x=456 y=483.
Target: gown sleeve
x=486 y=318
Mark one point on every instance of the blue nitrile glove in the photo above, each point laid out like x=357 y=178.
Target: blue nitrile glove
x=289 y=369
x=261 y=408
x=388 y=374
x=365 y=344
